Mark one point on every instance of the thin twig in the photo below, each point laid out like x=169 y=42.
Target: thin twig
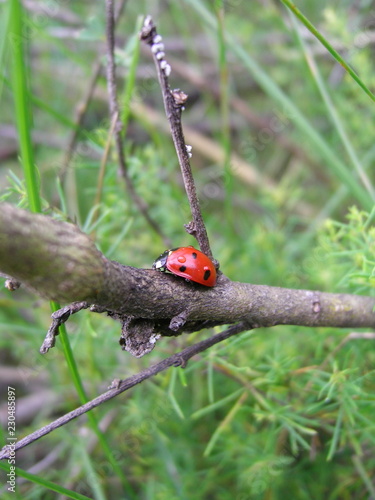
x=80 y=115
x=82 y=108
x=174 y=103
x=102 y=169
x=114 y=109
x=179 y=359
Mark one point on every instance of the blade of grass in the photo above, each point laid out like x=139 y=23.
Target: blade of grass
x=92 y=473
x=43 y=105
x=337 y=122
x=337 y=167
x=296 y=440
x=120 y=238
x=4 y=29
x=225 y=423
x=224 y=109
x=24 y=120
x=20 y=83
x=366 y=478
x=44 y=482
x=217 y=404
x=74 y=373
x=210 y=378
x=101 y=176
x=61 y=194
x=172 y=397
x=290 y=5
x=64 y=120
x=336 y=435
x=337 y=199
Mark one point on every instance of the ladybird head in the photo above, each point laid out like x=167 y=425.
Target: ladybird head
x=161 y=262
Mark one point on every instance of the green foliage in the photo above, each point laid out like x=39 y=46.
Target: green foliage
x=276 y=413
x=349 y=250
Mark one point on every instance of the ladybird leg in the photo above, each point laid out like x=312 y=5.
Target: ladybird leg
x=178 y=321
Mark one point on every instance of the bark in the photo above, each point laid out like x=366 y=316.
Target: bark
x=53 y=258
x=61 y=263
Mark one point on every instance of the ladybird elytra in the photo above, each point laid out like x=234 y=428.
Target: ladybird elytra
x=207 y=273
x=189 y=263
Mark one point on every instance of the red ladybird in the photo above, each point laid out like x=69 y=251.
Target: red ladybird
x=189 y=263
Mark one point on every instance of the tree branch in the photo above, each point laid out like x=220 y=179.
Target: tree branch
x=61 y=263
x=174 y=101
x=53 y=258
x=114 y=112
x=120 y=386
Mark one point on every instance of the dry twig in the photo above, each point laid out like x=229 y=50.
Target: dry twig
x=174 y=101
x=114 y=111
x=82 y=108
x=119 y=386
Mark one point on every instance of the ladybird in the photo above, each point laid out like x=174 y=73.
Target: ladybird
x=189 y=263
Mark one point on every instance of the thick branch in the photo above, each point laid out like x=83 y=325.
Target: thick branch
x=61 y=263
x=53 y=258
x=155 y=295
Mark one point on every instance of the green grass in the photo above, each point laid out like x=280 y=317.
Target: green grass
x=46 y=485
x=21 y=92
x=299 y=15
x=21 y=95
x=274 y=413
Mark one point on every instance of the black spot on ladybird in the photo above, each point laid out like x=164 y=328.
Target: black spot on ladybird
x=182 y=269
x=194 y=255
x=207 y=274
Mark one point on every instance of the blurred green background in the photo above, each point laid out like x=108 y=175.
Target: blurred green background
x=283 y=145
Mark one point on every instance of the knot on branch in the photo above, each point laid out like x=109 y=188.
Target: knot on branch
x=179 y=98
x=190 y=228
x=138 y=336
x=148 y=31
x=12 y=284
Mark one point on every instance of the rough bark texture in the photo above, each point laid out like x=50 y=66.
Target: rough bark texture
x=151 y=294
x=61 y=263
x=54 y=258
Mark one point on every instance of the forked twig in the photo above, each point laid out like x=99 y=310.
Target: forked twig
x=114 y=109
x=82 y=108
x=174 y=101
x=80 y=115
x=117 y=387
